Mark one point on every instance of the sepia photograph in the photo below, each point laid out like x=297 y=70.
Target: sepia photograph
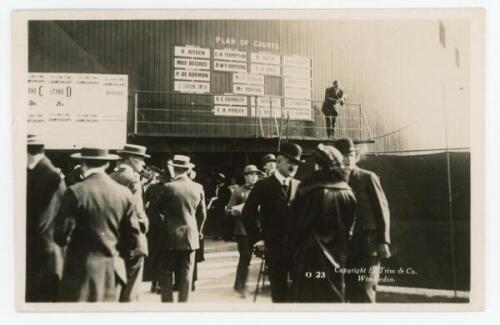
x=249 y=160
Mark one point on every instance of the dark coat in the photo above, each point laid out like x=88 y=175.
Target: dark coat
x=372 y=217
x=183 y=212
x=266 y=211
x=322 y=214
x=128 y=178
x=332 y=98
x=96 y=222
x=44 y=260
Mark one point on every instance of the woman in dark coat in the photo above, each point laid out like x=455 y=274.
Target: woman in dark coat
x=321 y=220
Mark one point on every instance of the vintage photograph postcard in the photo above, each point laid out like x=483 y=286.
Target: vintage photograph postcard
x=259 y=160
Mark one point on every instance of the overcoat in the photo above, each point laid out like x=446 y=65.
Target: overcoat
x=96 y=222
x=320 y=227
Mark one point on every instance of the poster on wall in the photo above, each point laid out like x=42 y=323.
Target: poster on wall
x=89 y=109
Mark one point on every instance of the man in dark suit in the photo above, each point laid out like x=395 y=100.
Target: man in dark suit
x=44 y=191
x=128 y=175
x=268 y=204
x=183 y=212
x=333 y=97
x=96 y=222
x=371 y=235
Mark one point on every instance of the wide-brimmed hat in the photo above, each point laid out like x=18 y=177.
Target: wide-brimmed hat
x=94 y=154
x=134 y=150
x=181 y=161
x=249 y=169
x=328 y=156
x=292 y=151
x=345 y=145
x=267 y=158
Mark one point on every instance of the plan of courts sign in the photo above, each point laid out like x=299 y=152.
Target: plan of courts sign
x=71 y=110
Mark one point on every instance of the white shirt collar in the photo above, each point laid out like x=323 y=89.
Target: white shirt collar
x=34 y=160
x=282 y=179
x=91 y=171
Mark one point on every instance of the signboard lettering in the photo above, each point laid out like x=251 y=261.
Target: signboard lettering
x=192 y=52
x=270 y=70
x=230 y=66
x=192 y=64
x=230 y=111
x=192 y=87
x=230 y=54
x=194 y=75
x=247 y=78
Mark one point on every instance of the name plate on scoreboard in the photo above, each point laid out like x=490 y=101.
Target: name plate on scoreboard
x=297 y=61
x=192 y=87
x=230 y=100
x=230 y=66
x=296 y=72
x=265 y=58
x=230 y=111
x=248 y=90
x=247 y=78
x=193 y=64
x=194 y=75
x=192 y=52
x=297 y=83
x=270 y=70
x=230 y=55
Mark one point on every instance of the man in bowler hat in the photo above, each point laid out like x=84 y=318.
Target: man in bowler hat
x=128 y=174
x=268 y=204
x=269 y=163
x=371 y=235
x=45 y=188
x=97 y=223
x=183 y=212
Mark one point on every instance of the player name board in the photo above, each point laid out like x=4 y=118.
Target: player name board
x=247 y=78
x=265 y=58
x=192 y=87
x=230 y=55
x=193 y=64
x=265 y=101
x=230 y=110
x=297 y=61
x=248 y=89
x=72 y=110
x=270 y=70
x=195 y=75
x=230 y=100
x=230 y=66
x=192 y=52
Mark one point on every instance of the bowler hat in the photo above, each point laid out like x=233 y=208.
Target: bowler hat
x=328 y=156
x=134 y=150
x=292 y=151
x=94 y=154
x=267 y=158
x=220 y=177
x=181 y=161
x=249 y=169
x=345 y=145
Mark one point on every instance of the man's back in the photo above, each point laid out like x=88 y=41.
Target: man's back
x=182 y=206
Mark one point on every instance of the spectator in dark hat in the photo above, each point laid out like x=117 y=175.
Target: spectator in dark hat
x=45 y=188
x=183 y=211
x=371 y=236
x=97 y=223
x=269 y=164
x=322 y=216
x=268 y=204
x=224 y=225
x=234 y=208
x=334 y=96
x=128 y=174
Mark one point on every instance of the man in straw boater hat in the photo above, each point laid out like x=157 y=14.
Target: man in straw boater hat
x=128 y=174
x=183 y=212
x=268 y=203
x=234 y=207
x=97 y=223
x=371 y=235
x=45 y=188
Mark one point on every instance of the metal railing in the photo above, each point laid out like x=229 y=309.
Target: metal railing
x=164 y=113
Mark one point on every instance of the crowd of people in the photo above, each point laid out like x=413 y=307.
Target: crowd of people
x=96 y=235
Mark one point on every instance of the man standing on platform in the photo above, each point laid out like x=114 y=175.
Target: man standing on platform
x=371 y=235
x=128 y=175
x=234 y=208
x=268 y=205
x=44 y=191
x=96 y=222
x=334 y=96
x=183 y=212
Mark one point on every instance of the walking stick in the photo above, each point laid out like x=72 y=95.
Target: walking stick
x=261 y=275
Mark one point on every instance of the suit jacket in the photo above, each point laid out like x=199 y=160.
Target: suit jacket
x=183 y=213
x=97 y=216
x=332 y=97
x=126 y=176
x=373 y=215
x=268 y=205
